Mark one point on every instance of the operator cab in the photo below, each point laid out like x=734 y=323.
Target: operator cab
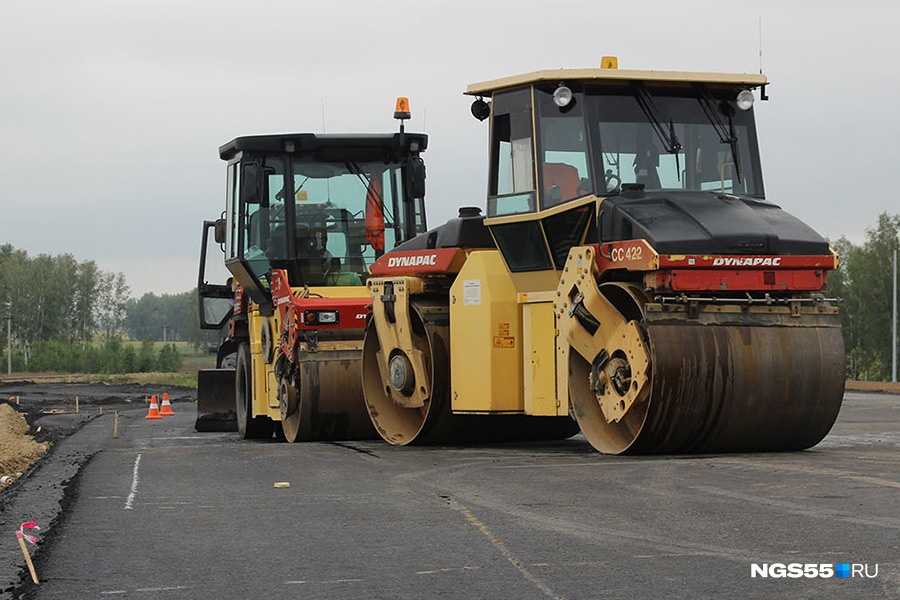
x=321 y=207
x=563 y=141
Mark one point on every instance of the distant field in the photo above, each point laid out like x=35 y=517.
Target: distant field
x=191 y=358
x=191 y=361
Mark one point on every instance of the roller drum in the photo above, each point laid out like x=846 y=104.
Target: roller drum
x=396 y=424
x=723 y=384
x=732 y=388
x=327 y=404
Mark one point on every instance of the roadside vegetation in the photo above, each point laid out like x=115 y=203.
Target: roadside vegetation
x=58 y=315
x=147 y=362
x=865 y=282
x=66 y=316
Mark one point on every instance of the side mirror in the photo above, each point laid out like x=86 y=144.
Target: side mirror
x=415 y=176
x=250 y=183
x=481 y=110
x=220 y=231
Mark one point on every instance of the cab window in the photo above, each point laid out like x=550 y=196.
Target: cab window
x=511 y=188
x=563 y=151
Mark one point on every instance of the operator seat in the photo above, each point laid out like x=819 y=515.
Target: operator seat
x=561 y=183
x=311 y=256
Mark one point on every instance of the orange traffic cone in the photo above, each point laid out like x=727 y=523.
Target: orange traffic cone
x=166 y=408
x=153 y=413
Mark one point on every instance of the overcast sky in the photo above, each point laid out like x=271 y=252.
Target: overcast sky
x=112 y=112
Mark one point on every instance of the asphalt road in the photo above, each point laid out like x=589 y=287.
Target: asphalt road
x=163 y=512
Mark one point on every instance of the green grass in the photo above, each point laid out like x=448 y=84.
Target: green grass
x=180 y=379
x=192 y=360
x=202 y=361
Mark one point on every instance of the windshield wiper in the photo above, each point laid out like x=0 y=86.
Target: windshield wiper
x=725 y=131
x=668 y=138
x=280 y=195
x=364 y=179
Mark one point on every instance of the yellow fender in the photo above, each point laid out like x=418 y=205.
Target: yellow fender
x=594 y=328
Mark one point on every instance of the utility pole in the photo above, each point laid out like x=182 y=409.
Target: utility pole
x=9 y=337
x=894 y=328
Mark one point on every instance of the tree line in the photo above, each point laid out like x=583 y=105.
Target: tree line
x=865 y=282
x=71 y=316
x=59 y=314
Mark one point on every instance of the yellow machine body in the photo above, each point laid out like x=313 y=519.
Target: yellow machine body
x=510 y=361
x=485 y=320
x=629 y=273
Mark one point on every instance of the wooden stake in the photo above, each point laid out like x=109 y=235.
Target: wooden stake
x=31 y=570
x=76 y=403
x=101 y=409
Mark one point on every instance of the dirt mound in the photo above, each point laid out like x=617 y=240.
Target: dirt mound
x=18 y=449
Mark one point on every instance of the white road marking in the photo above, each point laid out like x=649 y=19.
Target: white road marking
x=167 y=588
x=555 y=465
x=447 y=570
x=323 y=582
x=129 y=502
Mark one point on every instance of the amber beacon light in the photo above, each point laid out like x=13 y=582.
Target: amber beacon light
x=401 y=111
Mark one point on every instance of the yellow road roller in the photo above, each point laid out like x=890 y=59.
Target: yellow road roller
x=305 y=216
x=629 y=274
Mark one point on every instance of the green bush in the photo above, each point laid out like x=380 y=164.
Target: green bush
x=169 y=360
x=129 y=360
x=146 y=360
x=113 y=356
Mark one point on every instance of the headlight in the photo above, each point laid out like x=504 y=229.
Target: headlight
x=328 y=316
x=321 y=317
x=745 y=100
x=562 y=96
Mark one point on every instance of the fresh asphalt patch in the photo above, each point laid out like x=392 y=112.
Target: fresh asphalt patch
x=44 y=491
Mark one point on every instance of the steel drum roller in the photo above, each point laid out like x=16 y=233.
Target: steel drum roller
x=334 y=379
x=724 y=387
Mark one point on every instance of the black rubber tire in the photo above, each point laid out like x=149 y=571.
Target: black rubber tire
x=249 y=427
x=228 y=361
